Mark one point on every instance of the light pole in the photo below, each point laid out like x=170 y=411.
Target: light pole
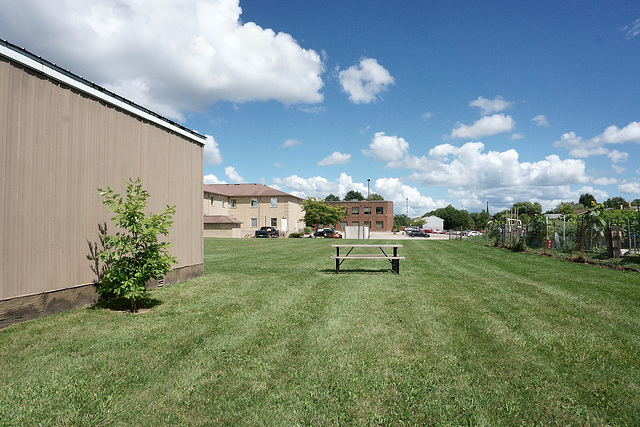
x=368 y=180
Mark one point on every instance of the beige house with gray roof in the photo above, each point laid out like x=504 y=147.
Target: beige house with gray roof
x=238 y=210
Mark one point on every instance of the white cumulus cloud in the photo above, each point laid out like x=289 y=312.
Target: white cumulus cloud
x=580 y=147
x=614 y=135
x=291 y=143
x=401 y=194
x=632 y=188
x=474 y=176
x=336 y=158
x=212 y=179
x=233 y=175
x=486 y=126
x=541 y=120
x=169 y=56
x=366 y=81
x=618 y=156
x=604 y=181
x=490 y=106
x=387 y=148
x=318 y=186
x=212 y=154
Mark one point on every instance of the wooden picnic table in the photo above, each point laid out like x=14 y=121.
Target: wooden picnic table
x=382 y=255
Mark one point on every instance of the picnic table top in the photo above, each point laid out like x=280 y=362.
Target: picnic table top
x=366 y=246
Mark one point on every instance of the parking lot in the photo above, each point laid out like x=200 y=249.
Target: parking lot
x=389 y=235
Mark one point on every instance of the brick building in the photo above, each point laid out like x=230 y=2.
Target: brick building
x=375 y=214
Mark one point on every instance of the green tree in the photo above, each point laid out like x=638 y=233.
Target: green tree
x=480 y=219
x=528 y=208
x=401 y=220
x=353 y=195
x=453 y=218
x=317 y=211
x=332 y=198
x=587 y=200
x=566 y=208
x=615 y=203
x=134 y=255
x=375 y=196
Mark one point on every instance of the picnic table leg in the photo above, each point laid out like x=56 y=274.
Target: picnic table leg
x=396 y=262
x=337 y=261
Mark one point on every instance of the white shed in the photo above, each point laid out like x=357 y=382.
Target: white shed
x=433 y=223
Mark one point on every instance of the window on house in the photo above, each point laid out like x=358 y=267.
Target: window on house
x=367 y=211
x=254 y=222
x=356 y=223
x=367 y=224
x=379 y=210
x=274 y=222
x=343 y=224
x=274 y=202
x=211 y=199
x=223 y=203
x=254 y=203
x=232 y=203
x=379 y=224
x=355 y=211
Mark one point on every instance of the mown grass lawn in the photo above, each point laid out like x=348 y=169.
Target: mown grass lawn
x=465 y=335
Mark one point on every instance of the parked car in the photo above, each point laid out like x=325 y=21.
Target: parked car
x=267 y=232
x=418 y=233
x=328 y=233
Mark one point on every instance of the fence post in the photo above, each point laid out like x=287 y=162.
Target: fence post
x=582 y=235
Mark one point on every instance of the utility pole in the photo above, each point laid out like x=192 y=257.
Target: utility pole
x=368 y=180
x=406 y=210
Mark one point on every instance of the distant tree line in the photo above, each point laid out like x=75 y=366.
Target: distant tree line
x=353 y=196
x=462 y=219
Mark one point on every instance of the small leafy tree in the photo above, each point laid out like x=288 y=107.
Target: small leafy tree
x=332 y=198
x=134 y=255
x=401 y=220
x=317 y=211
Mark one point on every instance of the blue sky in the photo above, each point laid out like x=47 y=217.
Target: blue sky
x=440 y=103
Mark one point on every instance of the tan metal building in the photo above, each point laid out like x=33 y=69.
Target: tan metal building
x=61 y=138
x=238 y=210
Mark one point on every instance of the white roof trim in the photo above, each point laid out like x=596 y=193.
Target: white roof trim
x=82 y=85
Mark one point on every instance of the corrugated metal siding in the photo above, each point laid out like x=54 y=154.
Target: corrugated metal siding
x=57 y=146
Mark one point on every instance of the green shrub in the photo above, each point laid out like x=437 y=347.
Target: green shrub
x=295 y=235
x=134 y=256
x=518 y=246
